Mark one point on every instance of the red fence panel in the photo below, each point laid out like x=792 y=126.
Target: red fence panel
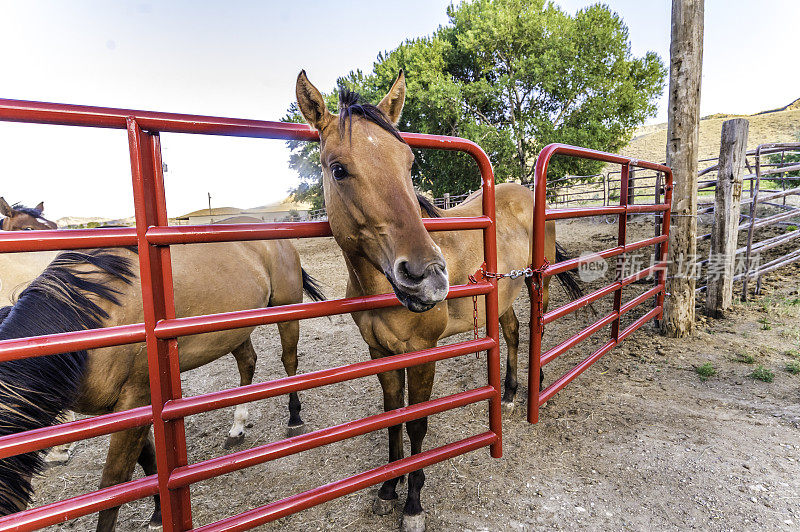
x=161 y=329
x=541 y=269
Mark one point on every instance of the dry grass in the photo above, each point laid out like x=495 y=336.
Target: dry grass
x=650 y=144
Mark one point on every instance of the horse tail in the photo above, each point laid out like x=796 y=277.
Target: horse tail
x=568 y=279
x=312 y=287
x=35 y=391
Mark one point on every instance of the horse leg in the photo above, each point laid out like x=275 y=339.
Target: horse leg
x=510 y=325
x=123 y=452
x=392 y=383
x=290 y=334
x=245 y=357
x=147 y=459
x=420 y=384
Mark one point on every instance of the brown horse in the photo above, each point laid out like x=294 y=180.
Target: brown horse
x=98 y=288
x=376 y=218
x=17 y=270
x=21 y=218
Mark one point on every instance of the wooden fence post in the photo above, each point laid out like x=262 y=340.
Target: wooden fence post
x=686 y=65
x=727 y=208
x=446 y=200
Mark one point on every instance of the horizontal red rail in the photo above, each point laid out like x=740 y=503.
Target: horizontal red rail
x=630 y=329
x=188 y=406
x=580 y=368
x=186 y=475
x=34 y=440
x=56 y=240
x=251 y=318
x=565 y=379
x=81 y=115
x=641 y=298
x=585 y=153
x=583 y=212
x=575 y=339
x=58 y=512
x=19 y=241
x=308 y=499
x=53 y=344
x=588 y=299
x=573 y=263
x=571 y=342
x=195 y=234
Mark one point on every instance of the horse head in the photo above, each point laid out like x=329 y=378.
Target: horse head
x=21 y=218
x=372 y=207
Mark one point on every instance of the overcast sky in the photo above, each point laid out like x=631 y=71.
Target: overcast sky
x=240 y=59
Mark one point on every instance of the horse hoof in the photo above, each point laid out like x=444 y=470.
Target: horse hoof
x=383 y=507
x=233 y=441
x=414 y=523
x=508 y=406
x=56 y=459
x=296 y=430
x=155 y=527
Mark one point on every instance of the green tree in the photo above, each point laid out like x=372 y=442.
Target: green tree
x=513 y=76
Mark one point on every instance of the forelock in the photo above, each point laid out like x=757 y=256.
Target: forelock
x=350 y=105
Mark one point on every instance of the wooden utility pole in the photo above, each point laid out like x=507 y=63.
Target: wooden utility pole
x=725 y=231
x=686 y=66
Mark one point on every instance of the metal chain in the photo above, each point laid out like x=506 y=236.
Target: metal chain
x=513 y=274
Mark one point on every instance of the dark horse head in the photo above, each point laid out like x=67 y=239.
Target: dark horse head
x=21 y=218
x=35 y=391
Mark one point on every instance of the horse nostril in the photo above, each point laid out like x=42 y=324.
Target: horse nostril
x=406 y=272
x=412 y=274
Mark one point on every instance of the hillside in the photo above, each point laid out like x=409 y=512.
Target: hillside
x=774 y=126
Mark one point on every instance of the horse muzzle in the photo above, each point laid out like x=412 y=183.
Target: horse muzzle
x=419 y=285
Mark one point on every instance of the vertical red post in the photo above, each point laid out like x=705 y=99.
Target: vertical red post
x=624 y=185
x=535 y=290
x=661 y=275
x=492 y=310
x=158 y=304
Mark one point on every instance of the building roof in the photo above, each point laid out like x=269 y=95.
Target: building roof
x=281 y=206
x=217 y=211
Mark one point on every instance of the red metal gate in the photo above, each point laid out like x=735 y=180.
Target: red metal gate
x=161 y=329
x=539 y=318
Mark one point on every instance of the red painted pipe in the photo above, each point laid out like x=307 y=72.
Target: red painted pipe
x=229 y=463
x=58 y=512
x=152 y=236
x=34 y=440
x=539 y=318
x=303 y=501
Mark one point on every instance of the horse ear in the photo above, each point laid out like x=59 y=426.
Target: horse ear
x=311 y=103
x=5 y=208
x=392 y=103
x=40 y=207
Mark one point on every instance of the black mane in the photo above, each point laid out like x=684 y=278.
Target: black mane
x=350 y=104
x=30 y=211
x=34 y=391
x=428 y=207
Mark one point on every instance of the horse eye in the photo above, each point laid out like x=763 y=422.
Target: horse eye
x=28 y=229
x=338 y=171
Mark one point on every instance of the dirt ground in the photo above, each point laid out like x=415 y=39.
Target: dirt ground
x=639 y=441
